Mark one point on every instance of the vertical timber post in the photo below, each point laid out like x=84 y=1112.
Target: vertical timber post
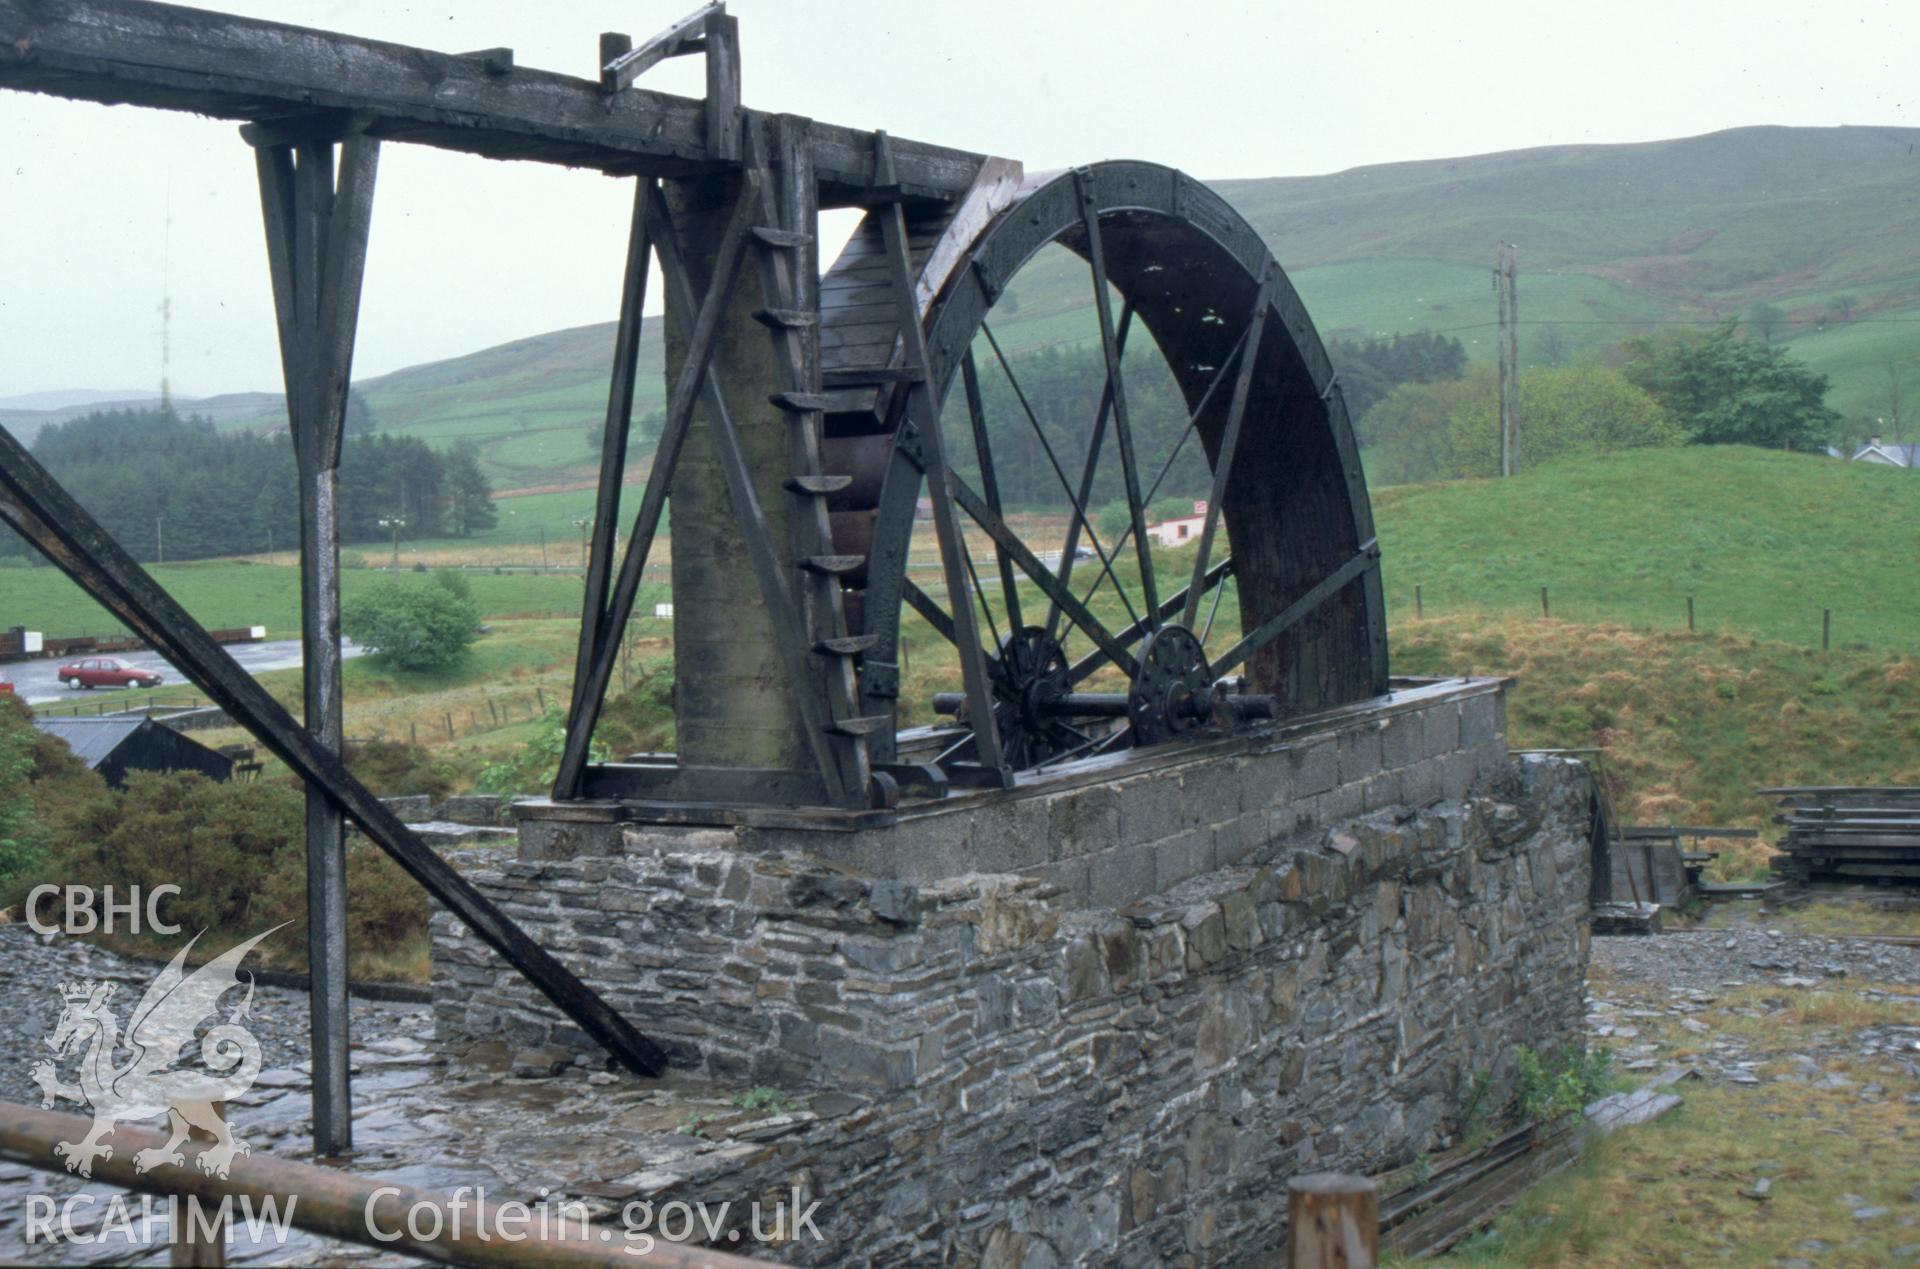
x=1333 y=1222
x=317 y=250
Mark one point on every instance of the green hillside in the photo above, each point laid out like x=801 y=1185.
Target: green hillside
x=1613 y=240
x=1620 y=237
x=1763 y=541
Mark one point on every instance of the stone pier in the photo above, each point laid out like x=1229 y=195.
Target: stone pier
x=1102 y=1016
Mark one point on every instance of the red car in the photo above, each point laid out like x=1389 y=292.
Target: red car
x=106 y=672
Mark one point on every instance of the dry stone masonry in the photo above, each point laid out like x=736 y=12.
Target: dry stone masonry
x=1104 y=1016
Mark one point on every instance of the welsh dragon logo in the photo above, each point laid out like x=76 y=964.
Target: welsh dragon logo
x=145 y=1084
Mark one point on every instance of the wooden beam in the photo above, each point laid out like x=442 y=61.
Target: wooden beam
x=613 y=443
x=174 y=58
x=35 y=505
x=678 y=40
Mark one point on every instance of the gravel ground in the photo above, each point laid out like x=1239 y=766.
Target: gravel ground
x=33 y=966
x=1722 y=958
x=421 y=1119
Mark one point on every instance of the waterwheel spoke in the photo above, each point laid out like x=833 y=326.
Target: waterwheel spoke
x=1193 y=420
x=1079 y=509
x=1116 y=385
x=990 y=484
x=1367 y=557
x=1230 y=439
x=1087 y=472
x=1087 y=665
x=1038 y=573
x=933 y=614
x=1214 y=610
x=966 y=557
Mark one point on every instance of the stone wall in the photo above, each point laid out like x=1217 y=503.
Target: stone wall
x=1035 y=1064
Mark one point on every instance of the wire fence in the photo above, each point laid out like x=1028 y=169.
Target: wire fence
x=1687 y=616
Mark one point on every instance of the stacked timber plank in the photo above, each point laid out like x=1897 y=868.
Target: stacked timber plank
x=1849 y=834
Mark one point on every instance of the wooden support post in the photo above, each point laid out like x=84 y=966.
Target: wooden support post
x=1419 y=608
x=1333 y=1222
x=317 y=252
x=722 y=104
x=613 y=440
x=192 y=1246
x=1689 y=614
x=1826 y=629
x=1545 y=611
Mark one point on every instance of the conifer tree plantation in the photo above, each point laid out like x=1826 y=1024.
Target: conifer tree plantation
x=172 y=487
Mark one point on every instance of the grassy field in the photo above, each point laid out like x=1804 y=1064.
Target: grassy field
x=1688 y=725
x=1763 y=541
x=227 y=593
x=1670 y=1192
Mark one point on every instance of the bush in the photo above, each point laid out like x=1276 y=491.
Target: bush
x=640 y=719
x=413 y=626
x=22 y=835
x=1448 y=429
x=1550 y=1088
x=534 y=765
x=238 y=854
x=220 y=843
x=396 y=769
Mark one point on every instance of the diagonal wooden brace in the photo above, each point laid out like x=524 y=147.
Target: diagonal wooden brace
x=35 y=505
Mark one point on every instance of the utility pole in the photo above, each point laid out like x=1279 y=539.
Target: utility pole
x=396 y=524
x=1508 y=298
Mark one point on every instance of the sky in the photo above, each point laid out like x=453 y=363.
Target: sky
x=106 y=210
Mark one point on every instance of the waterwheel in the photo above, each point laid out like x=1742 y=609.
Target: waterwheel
x=934 y=424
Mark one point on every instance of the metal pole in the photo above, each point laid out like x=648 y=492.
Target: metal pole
x=316 y=250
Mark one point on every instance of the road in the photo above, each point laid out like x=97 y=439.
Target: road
x=36 y=680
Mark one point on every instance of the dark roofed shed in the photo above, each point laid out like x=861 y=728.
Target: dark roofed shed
x=115 y=746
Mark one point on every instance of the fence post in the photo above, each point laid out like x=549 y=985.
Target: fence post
x=413 y=732
x=1333 y=1222
x=1419 y=608
x=1544 y=610
x=542 y=696
x=1689 y=614
x=449 y=718
x=1826 y=629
